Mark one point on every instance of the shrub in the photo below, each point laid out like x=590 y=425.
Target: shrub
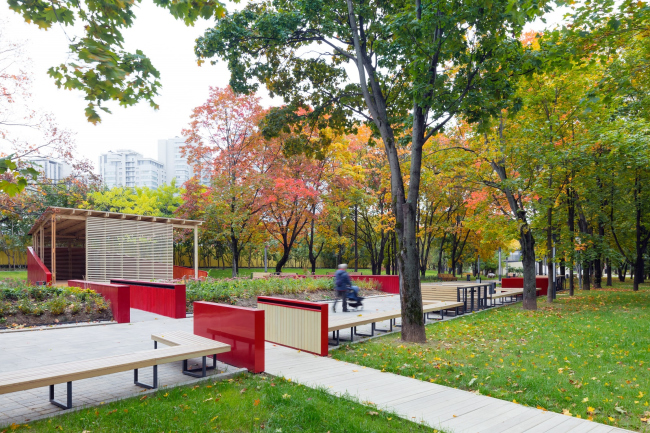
x=57 y=305
x=75 y=307
x=228 y=290
x=25 y=306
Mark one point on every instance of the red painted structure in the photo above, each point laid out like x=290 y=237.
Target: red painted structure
x=321 y=308
x=183 y=272
x=387 y=283
x=242 y=328
x=518 y=283
x=118 y=294
x=36 y=269
x=166 y=299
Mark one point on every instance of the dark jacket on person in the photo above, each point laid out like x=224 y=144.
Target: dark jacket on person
x=342 y=280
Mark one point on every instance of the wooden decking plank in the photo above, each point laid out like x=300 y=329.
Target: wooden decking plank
x=551 y=424
x=520 y=423
x=473 y=419
x=510 y=413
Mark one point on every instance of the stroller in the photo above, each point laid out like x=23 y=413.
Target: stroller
x=352 y=301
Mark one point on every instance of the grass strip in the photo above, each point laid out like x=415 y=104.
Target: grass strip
x=249 y=403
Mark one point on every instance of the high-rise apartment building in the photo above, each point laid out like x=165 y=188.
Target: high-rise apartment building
x=176 y=166
x=129 y=168
x=52 y=169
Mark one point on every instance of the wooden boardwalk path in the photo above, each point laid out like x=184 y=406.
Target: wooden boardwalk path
x=440 y=407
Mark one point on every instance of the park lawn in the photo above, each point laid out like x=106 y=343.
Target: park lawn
x=587 y=355
x=249 y=403
x=16 y=275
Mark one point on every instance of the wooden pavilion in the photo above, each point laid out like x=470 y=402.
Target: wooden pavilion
x=97 y=246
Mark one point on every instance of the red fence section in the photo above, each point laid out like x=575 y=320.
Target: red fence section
x=118 y=294
x=387 y=283
x=183 y=272
x=518 y=283
x=166 y=299
x=36 y=270
x=241 y=327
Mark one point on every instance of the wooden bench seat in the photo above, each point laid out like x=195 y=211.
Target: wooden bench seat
x=373 y=318
x=184 y=346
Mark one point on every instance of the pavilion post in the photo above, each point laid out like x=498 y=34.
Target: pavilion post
x=196 y=252
x=41 y=244
x=53 y=250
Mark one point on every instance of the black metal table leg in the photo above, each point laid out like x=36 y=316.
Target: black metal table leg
x=68 y=404
x=191 y=372
x=144 y=385
x=372 y=331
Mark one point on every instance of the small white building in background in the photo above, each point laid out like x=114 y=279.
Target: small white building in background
x=176 y=165
x=52 y=169
x=129 y=168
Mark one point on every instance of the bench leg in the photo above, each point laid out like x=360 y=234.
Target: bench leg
x=386 y=330
x=68 y=404
x=372 y=331
x=203 y=369
x=144 y=385
x=335 y=336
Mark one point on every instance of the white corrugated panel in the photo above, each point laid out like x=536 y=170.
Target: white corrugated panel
x=129 y=249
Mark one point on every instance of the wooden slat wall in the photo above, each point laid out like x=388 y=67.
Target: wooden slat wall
x=293 y=327
x=128 y=249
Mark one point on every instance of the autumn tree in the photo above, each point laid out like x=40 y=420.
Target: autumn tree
x=224 y=143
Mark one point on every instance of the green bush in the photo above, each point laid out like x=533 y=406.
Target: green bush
x=229 y=290
x=57 y=305
x=25 y=306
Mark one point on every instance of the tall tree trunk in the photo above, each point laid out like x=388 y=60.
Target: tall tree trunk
x=528 y=260
x=234 y=249
x=571 y=212
x=609 y=272
x=586 y=281
x=549 y=247
x=442 y=243
x=638 y=265
x=356 y=237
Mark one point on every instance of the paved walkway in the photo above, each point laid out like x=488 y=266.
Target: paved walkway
x=441 y=407
x=52 y=346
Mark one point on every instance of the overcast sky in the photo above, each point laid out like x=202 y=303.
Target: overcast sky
x=167 y=42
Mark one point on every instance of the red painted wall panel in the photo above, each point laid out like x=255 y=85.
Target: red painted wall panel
x=242 y=328
x=306 y=305
x=181 y=271
x=387 y=283
x=36 y=270
x=518 y=283
x=166 y=299
x=118 y=294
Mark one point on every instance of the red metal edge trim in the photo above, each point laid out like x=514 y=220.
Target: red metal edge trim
x=324 y=330
x=291 y=347
x=290 y=303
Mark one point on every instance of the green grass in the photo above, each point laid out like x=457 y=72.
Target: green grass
x=17 y=275
x=245 y=404
x=588 y=355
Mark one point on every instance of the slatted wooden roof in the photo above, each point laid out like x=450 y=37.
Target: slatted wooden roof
x=71 y=223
